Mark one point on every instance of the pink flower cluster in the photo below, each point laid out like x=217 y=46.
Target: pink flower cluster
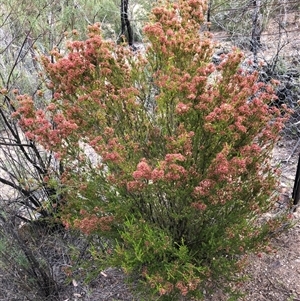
x=168 y=170
x=49 y=132
x=90 y=222
x=143 y=171
x=204 y=187
x=182 y=108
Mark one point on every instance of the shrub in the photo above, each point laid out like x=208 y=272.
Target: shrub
x=163 y=152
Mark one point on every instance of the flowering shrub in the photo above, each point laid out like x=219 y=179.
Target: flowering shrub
x=183 y=174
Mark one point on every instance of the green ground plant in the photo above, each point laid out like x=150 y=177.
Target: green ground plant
x=165 y=154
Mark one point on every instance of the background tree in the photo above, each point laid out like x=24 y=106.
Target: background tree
x=257 y=29
x=244 y=18
x=125 y=23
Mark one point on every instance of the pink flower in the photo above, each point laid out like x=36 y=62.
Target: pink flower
x=134 y=185
x=175 y=172
x=222 y=169
x=174 y=157
x=211 y=116
x=198 y=205
x=51 y=107
x=57 y=155
x=27 y=122
x=182 y=108
x=191 y=96
x=169 y=32
x=204 y=187
x=29 y=135
x=157 y=174
x=143 y=171
x=239 y=163
x=113 y=156
x=56 y=95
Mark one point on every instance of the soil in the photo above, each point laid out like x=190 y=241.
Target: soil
x=276 y=275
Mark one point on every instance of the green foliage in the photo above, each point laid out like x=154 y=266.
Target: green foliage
x=178 y=175
x=149 y=251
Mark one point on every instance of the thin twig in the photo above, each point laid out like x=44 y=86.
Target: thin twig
x=293 y=151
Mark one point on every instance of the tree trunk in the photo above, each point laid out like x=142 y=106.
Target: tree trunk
x=296 y=189
x=256 y=29
x=125 y=24
x=210 y=3
x=283 y=13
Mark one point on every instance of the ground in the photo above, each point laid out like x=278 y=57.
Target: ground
x=276 y=276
